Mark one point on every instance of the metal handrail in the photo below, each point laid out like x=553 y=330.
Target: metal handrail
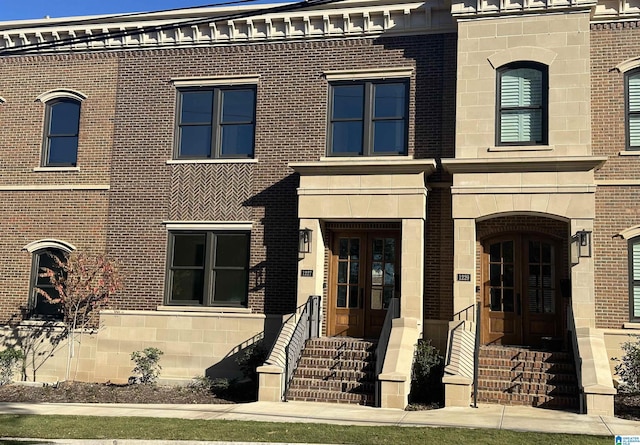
x=476 y=354
x=307 y=326
x=393 y=311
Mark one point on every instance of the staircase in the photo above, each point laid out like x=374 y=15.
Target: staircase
x=335 y=369
x=523 y=376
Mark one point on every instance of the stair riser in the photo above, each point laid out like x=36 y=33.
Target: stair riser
x=334 y=397
x=526 y=388
x=530 y=377
x=328 y=374
x=484 y=363
x=530 y=400
x=334 y=354
x=526 y=355
x=342 y=345
x=320 y=385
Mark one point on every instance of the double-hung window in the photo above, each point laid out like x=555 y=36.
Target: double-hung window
x=632 y=87
x=216 y=122
x=62 y=124
x=208 y=268
x=634 y=279
x=368 y=118
x=40 y=305
x=522 y=104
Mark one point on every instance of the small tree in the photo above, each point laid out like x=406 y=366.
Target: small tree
x=9 y=360
x=83 y=282
x=629 y=367
x=147 y=365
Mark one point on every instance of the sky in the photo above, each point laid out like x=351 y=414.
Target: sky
x=37 y=9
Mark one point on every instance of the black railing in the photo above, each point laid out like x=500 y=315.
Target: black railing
x=476 y=354
x=307 y=326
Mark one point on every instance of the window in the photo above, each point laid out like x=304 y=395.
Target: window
x=40 y=306
x=216 y=123
x=368 y=118
x=61 y=133
x=522 y=104
x=634 y=278
x=632 y=87
x=208 y=268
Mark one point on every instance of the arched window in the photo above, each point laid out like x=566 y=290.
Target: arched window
x=632 y=100
x=522 y=104
x=40 y=307
x=62 y=123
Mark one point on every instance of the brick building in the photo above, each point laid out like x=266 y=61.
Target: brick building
x=421 y=157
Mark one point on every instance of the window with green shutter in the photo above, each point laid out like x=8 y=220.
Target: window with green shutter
x=633 y=109
x=522 y=104
x=634 y=278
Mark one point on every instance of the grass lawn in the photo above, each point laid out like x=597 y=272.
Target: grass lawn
x=79 y=427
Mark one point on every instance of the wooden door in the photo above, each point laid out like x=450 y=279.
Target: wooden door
x=364 y=276
x=520 y=290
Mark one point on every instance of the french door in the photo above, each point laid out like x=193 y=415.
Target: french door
x=364 y=276
x=520 y=298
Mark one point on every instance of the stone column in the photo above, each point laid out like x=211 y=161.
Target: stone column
x=412 y=276
x=582 y=280
x=464 y=263
x=313 y=261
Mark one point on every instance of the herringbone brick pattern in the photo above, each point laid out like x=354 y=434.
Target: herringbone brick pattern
x=518 y=376
x=339 y=370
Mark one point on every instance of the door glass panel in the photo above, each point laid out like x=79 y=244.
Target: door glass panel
x=344 y=248
x=549 y=301
x=507 y=251
x=390 y=249
x=508 y=275
x=507 y=300
x=342 y=296
x=496 y=303
x=342 y=273
x=534 y=300
x=376 y=299
x=546 y=253
x=388 y=295
x=376 y=274
x=377 y=250
x=495 y=275
x=354 y=250
x=534 y=251
x=354 y=273
x=494 y=253
x=353 y=297
x=389 y=274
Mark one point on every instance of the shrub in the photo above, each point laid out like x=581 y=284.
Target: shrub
x=629 y=367
x=250 y=358
x=147 y=365
x=9 y=359
x=426 y=373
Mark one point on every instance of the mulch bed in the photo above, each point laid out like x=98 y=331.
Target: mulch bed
x=627 y=406
x=77 y=392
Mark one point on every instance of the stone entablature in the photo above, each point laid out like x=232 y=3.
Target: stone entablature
x=211 y=26
x=601 y=9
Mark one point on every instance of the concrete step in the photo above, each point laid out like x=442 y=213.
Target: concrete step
x=535 y=400
x=354 y=386
x=306 y=395
x=526 y=388
x=526 y=376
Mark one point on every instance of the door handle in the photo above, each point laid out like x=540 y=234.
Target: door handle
x=518 y=304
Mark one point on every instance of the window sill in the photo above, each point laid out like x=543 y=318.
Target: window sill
x=42 y=323
x=506 y=148
x=630 y=153
x=389 y=158
x=212 y=161
x=209 y=309
x=56 y=169
x=631 y=325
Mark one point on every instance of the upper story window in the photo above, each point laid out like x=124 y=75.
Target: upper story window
x=634 y=279
x=216 y=122
x=40 y=307
x=522 y=104
x=632 y=87
x=368 y=118
x=62 y=124
x=208 y=268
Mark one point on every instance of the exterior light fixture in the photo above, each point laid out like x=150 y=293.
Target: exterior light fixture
x=583 y=243
x=304 y=240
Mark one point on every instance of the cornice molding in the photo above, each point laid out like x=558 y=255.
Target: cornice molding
x=348 y=18
x=524 y=164
x=364 y=167
x=469 y=9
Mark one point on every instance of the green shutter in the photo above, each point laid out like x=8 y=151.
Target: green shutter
x=635 y=270
x=521 y=88
x=634 y=107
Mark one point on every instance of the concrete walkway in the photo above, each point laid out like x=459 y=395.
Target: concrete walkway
x=485 y=416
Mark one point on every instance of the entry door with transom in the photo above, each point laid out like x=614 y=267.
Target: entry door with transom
x=364 y=277
x=520 y=295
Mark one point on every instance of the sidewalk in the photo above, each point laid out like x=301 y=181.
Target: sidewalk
x=515 y=418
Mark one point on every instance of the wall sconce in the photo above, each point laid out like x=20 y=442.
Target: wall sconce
x=583 y=243
x=304 y=240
